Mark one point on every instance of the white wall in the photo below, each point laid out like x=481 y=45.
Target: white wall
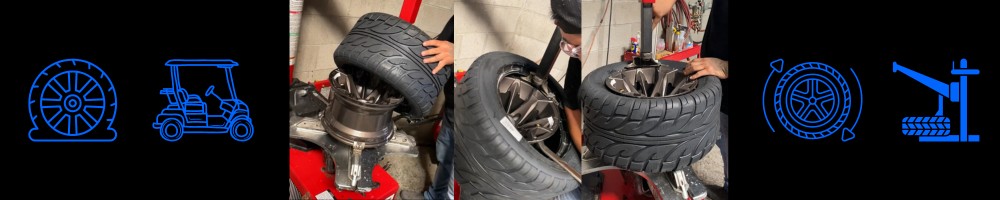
x=522 y=27
x=326 y=22
x=611 y=38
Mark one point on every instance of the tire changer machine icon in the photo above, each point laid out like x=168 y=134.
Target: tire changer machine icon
x=938 y=127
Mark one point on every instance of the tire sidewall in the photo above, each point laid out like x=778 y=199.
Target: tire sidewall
x=595 y=92
x=166 y=127
x=235 y=127
x=482 y=79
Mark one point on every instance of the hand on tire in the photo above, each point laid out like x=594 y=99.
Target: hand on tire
x=708 y=67
x=442 y=53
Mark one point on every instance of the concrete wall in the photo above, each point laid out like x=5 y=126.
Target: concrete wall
x=621 y=21
x=326 y=22
x=522 y=27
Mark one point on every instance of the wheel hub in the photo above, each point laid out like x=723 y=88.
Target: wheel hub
x=360 y=111
x=663 y=80
x=534 y=112
x=72 y=103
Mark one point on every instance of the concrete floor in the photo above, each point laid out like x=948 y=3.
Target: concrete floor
x=710 y=168
x=413 y=174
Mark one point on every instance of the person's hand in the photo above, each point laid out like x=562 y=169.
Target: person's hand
x=441 y=52
x=660 y=9
x=708 y=67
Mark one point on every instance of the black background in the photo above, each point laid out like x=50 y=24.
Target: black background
x=866 y=37
x=131 y=41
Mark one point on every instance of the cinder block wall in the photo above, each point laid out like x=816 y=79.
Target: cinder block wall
x=522 y=27
x=326 y=22
x=621 y=22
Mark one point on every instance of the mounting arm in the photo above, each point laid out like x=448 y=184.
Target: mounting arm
x=938 y=86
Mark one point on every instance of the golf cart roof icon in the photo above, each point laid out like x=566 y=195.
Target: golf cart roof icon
x=187 y=113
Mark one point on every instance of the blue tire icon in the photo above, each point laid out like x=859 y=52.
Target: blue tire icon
x=73 y=98
x=241 y=130
x=812 y=100
x=172 y=130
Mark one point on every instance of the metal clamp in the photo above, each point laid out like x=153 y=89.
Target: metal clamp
x=356 y=162
x=680 y=183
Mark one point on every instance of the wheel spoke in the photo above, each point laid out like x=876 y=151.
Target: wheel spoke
x=91 y=89
x=825 y=97
x=55 y=91
x=61 y=88
x=94 y=102
x=803 y=111
x=80 y=118
x=56 y=104
x=813 y=84
x=69 y=82
x=85 y=85
x=798 y=97
x=74 y=125
x=538 y=129
x=824 y=110
x=802 y=101
x=54 y=116
x=89 y=115
x=61 y=119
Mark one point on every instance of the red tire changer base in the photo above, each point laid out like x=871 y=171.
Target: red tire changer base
x=619 y=184
x=306 y=172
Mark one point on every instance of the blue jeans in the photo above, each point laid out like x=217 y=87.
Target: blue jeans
x=442 y=186
x=724 y=146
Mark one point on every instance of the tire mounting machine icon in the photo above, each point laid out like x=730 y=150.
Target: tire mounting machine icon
x=938 y=127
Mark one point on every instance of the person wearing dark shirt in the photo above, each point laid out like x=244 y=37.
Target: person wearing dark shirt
x=441 y=51
x=714 y=61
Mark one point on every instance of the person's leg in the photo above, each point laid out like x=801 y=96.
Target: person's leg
x=442 y=184
x=724 y=147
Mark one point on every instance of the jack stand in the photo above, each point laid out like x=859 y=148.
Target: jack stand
x=936 y=129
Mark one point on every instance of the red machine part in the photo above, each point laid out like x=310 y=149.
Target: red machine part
x=620 y=185
x=305 y=170
x=409 y=11
x=684 y=54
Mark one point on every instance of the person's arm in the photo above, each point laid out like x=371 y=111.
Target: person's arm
x=708 y=67
x=443 y=47
x=442 y=54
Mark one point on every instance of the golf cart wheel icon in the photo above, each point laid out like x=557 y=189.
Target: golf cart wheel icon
x=187 y=113
x=76 y=102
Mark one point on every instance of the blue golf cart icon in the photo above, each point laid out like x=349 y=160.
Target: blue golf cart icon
x=187 y=113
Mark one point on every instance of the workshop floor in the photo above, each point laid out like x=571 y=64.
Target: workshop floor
x=414 y=174
x=710 y=169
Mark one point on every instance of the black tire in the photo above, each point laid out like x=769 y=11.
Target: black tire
x=172 y=130
x=657 y=134
x=389 y=48
x=242 y=130
x=490 y=162
x=921 y=126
